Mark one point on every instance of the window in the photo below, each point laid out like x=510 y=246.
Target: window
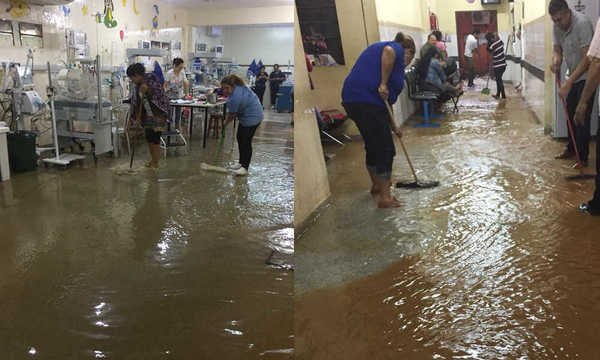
x=7 y=38
x=31 y=35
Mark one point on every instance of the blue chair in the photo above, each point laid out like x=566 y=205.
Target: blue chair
x=427 y=97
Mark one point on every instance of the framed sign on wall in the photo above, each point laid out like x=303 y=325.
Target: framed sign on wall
x=320 y=32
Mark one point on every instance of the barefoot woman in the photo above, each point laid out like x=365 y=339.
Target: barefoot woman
x=378 y=75
x=149 y=108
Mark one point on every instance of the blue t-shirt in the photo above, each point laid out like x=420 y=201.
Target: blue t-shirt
x=362 y=84
x=246 y=105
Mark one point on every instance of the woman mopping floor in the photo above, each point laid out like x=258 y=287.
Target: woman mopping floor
x=378 y=76
x=149 y=108
x=242 y=103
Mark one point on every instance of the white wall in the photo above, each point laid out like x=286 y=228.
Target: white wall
x=259 y=15
x=273 y=43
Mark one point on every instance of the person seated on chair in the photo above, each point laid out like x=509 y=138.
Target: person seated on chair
x=431 y=44
x=433 y=77
x=439 y=42
x=149 y=108
x=376 y=78
x=242 y=103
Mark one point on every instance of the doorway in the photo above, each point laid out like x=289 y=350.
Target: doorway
x=467 y=21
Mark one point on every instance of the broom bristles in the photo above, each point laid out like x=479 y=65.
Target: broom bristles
x=207 y=167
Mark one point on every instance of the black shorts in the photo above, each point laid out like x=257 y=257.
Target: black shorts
x=153 y=137
x=373 y=122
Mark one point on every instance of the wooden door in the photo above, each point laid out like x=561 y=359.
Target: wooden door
x=466 y=21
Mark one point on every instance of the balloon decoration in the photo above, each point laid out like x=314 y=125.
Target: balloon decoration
x=109 y=20
x=98 y=17
x=66 y=11
x=122 y=34
x=124 y=3
x=135 y=11
x=84 y=10
x=18 y=8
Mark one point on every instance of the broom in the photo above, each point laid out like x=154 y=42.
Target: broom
x=417 y=184
x=486 y=90
x=581 y=175
x=215 y=168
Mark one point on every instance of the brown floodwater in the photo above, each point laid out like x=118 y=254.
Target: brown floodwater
x=166 y=265
x=495 y=263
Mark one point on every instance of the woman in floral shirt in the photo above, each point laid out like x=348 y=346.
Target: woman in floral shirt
x=149 y=108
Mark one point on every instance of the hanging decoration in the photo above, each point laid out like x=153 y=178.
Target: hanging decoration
x=18 y=8
x=109 y=20
x=135 y=11
x=66 y=11
x=84 y=10
x=155 y=18
x=122 y=34
x=124 y=3
x=98 y=18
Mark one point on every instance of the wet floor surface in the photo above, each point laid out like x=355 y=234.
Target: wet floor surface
x=495 y=263
x=166 y=265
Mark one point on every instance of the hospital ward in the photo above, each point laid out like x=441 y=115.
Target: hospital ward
x=146 y=201
x=445 y=180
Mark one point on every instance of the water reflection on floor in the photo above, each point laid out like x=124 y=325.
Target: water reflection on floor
x=166 y=265
x=496 y=263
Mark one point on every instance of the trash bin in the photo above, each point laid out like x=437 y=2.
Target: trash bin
x=21 y=151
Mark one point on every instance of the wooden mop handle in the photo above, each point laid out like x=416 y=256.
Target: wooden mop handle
x=569 y=121
x=391 y=113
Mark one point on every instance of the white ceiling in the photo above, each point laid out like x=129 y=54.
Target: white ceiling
x=228 y=3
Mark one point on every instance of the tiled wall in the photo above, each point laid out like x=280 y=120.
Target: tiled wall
x=534 y=54
x=404 y=107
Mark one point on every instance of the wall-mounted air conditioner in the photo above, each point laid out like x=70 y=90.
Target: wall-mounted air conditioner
x=481 y=17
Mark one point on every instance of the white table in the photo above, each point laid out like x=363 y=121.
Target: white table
x=200 y=105
x=4 y=166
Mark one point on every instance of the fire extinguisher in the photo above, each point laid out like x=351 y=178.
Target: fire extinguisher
x=433 y=21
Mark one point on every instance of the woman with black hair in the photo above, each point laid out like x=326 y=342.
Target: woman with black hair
x=176 y=87
x=496 y=48
x=433 y=77
x=377 y=77
x=149 y=108
x=261 y=83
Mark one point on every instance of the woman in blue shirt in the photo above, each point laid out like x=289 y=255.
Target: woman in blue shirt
x=433 y=76
x=377 y=76
x=242 y=103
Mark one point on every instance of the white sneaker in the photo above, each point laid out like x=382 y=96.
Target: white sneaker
x=240 y=172
x=235 y=166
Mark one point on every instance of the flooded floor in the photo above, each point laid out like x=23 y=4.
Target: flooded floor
x=165 y=265
x=495 y=263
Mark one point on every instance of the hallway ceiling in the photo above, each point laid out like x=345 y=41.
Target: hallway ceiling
x=229 y=3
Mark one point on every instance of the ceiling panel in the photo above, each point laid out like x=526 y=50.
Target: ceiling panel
x=228 y=3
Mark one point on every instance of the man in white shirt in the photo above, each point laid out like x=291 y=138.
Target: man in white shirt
x=471 y=47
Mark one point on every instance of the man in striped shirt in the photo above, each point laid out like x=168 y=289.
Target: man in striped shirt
x=496 y=48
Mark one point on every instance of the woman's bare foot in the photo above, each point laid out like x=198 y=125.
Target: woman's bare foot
x=389 y=203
